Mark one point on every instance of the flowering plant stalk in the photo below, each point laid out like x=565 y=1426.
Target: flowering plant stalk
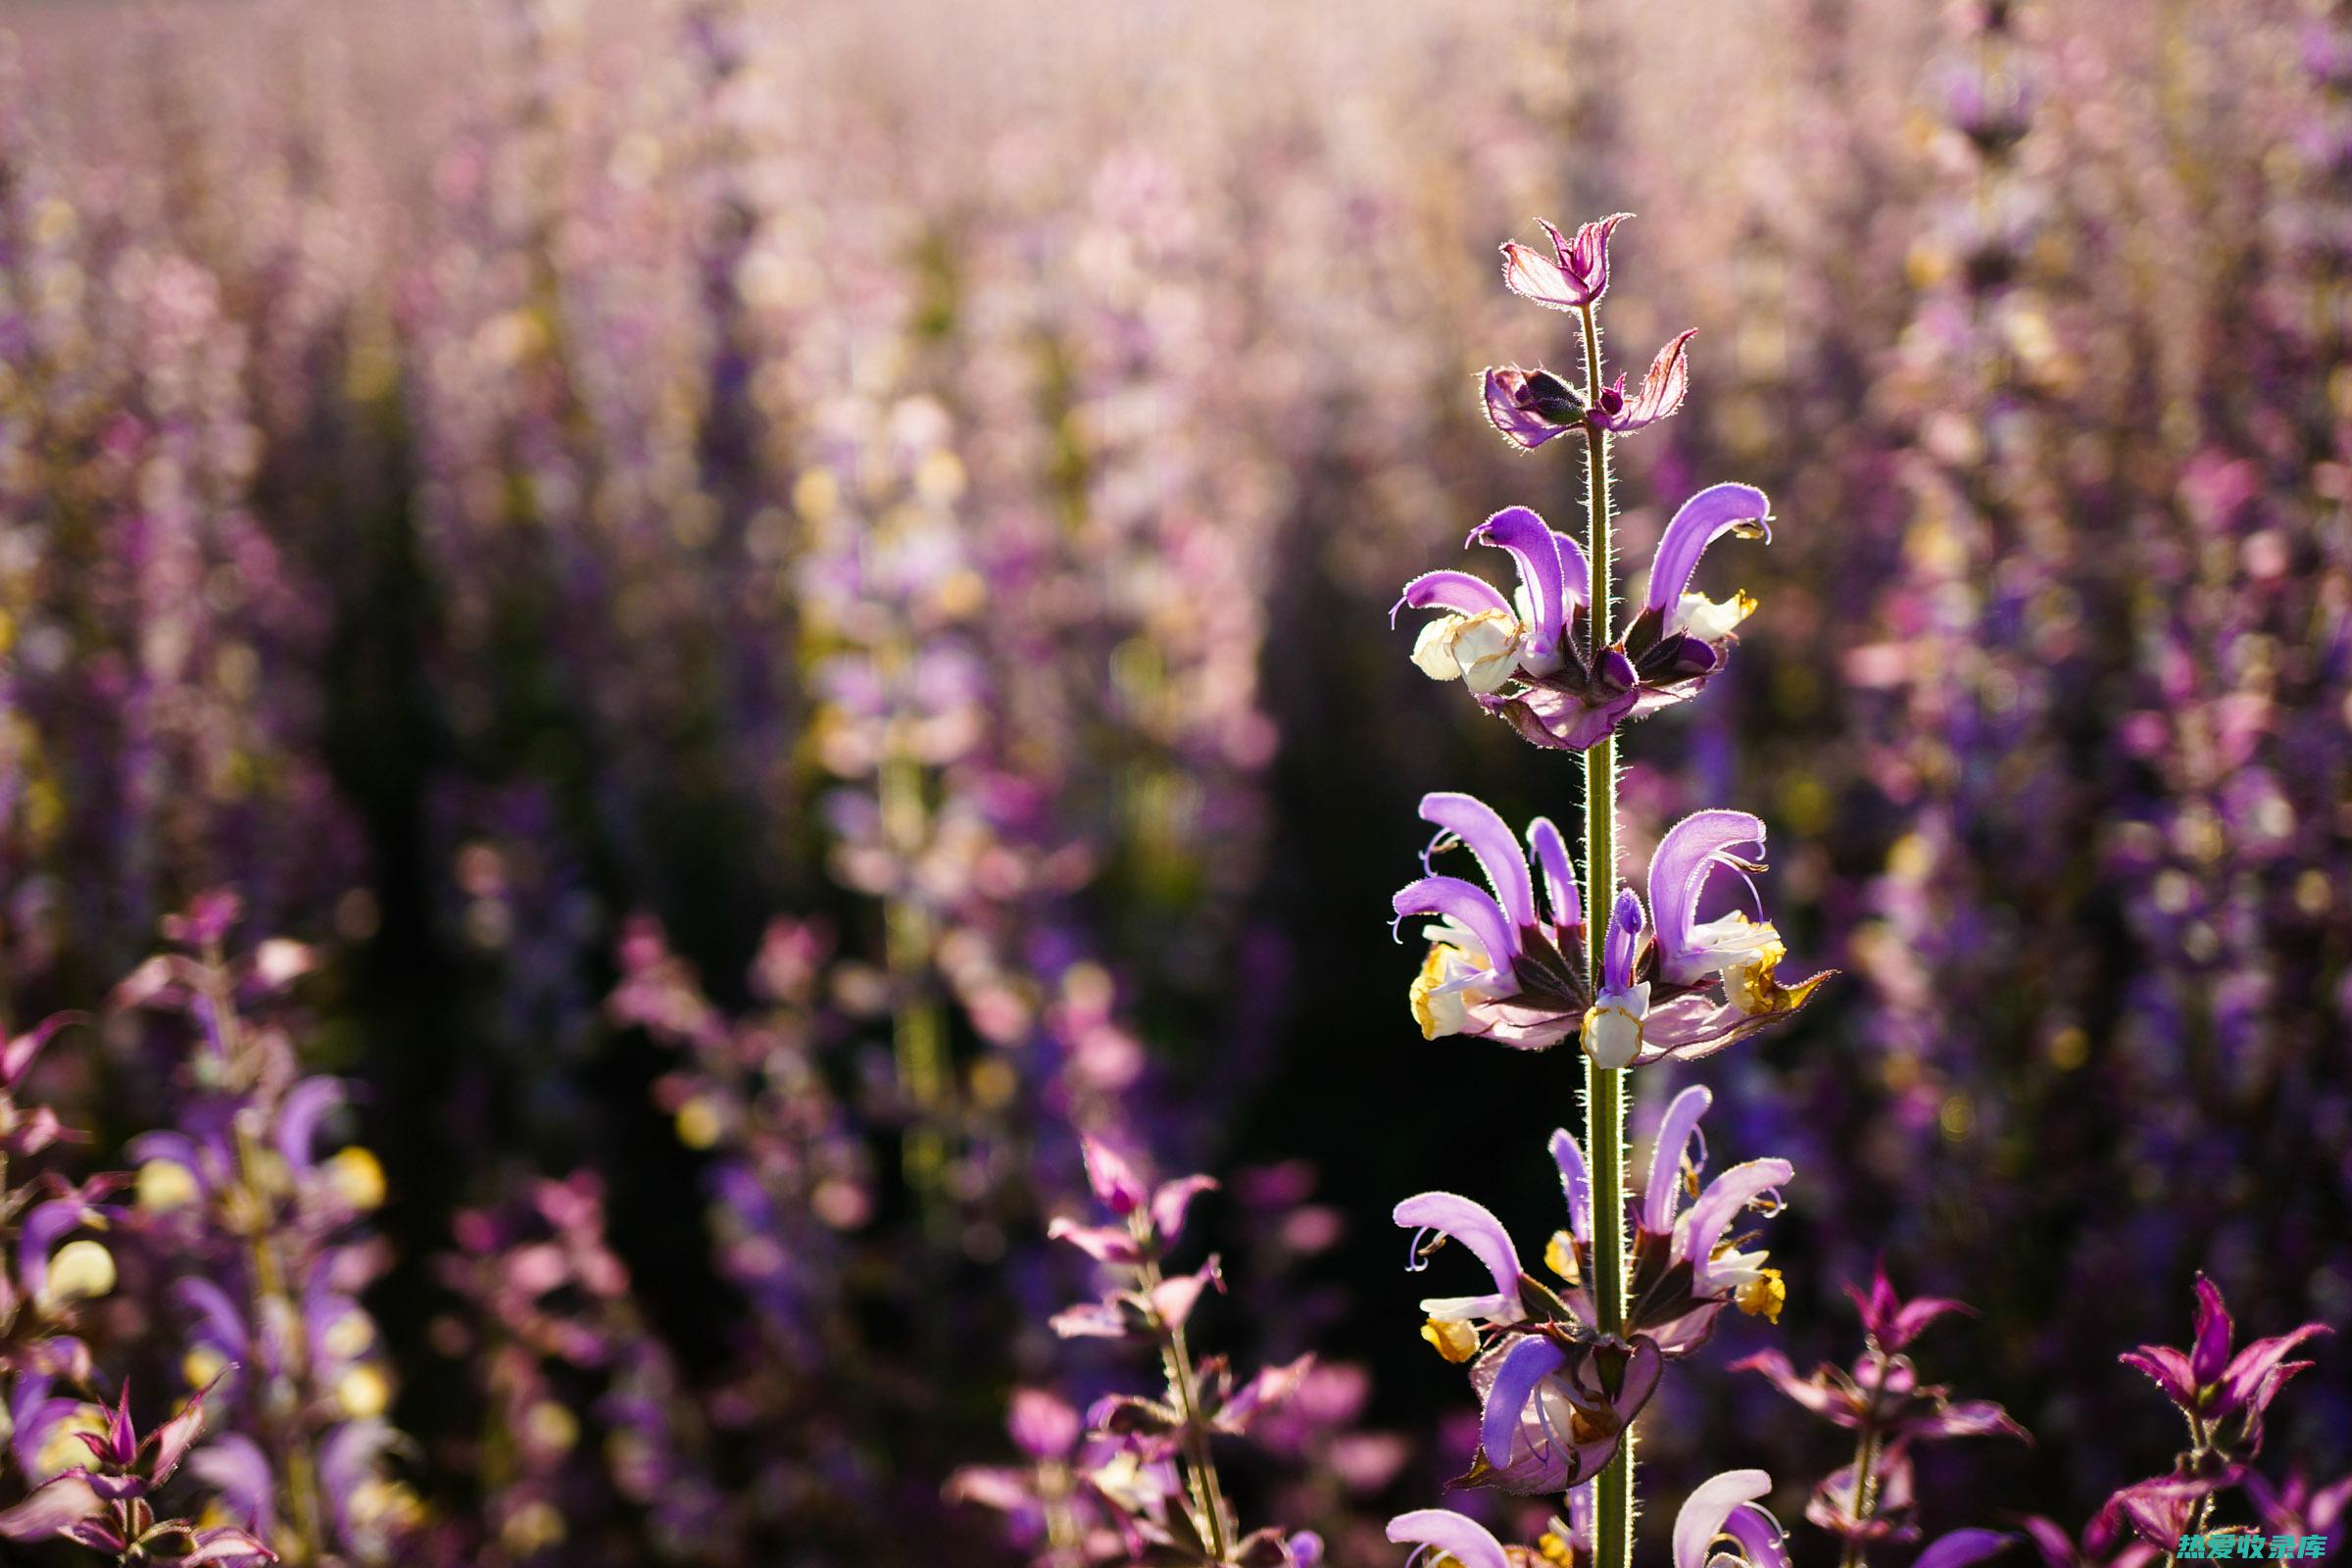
x=1563 y=1375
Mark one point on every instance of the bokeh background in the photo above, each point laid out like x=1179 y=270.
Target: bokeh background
x=794 y=598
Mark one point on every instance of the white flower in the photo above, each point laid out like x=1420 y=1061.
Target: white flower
x=1613 y=1026
x=1481 y=651
x=1710 y=620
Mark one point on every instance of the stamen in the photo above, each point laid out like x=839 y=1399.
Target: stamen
x=1415 y=1259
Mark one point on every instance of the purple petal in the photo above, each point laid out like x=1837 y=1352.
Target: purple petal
x=1464 y=1539
x=2210 y=1356
x=1460 y=901
x=2168 y=1369
x=1043 y=1427
x=1105 y=1243
x=1473 y=1225
x=1575 y=1183
x=1684 y=858
x=51 y=1508
x=1510 y=409
x=1725 y=1196
x=1524 y=1365
x=1495 y=847
x=1710 y=1505
x=1914 y=1316
x=1961 y=1547
x=1699 y=522
x=1451 y=590
x=223 y=1324
x=1675 y=1129
x=235 y=1466
x=1551 y=852
x=1536 y=549
x=1759 y=1537
x=1174 y=1201
x=1115 y=1182
x=1813 y=1393
x=2252 y=1368
x=1624 y=943
x=304 y=1106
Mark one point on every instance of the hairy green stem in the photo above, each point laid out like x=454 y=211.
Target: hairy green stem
x=1604 y=1087
x=1208 y=1496
x=1866 y=1453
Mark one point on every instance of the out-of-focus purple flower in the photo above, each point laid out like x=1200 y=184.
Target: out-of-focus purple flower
x=2222 y=1396
x=2296 y=1507
x=1675 y=984
x=1898 y=1404
x=105 y=1505
x=1526 y=656
x=1576 y=272
x=1892 y=1322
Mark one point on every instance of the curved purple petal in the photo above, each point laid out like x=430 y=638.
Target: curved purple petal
x=1678 y=869
x=1725 y=1196
x=1675 y=1129
x=1464 y=1539
x=2210 y=1355
x=1536 y=549
x=1551 y=852
x=1455 y=899
x=1451 y=590
x=1624 y=943
x=1473 y=1225
x=2254 y=1364
x=1708 y=1508
x=1576 y=1182
x=223 y=1324
x=299 y=1114
x=53 y=1506
x=1478 y=826
x=1174 y=1199
x=1961 y=1547
x=1697 y=523
x=1524 y=1366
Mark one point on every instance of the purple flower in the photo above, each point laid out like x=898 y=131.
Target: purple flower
x=1556 y=1393
x=1529 y=408
x=2224 y=1396
x=1898 y=1403
x=1894 y=1322
x=1574 y=275
x=1526 y=656
x=1663 y=388
x=1674 y=985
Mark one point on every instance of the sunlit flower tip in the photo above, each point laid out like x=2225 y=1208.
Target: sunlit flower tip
x=1115 y=1182
x=1663 y=388
x=1529 y=408
x=1576 y=272
x=1763 y=1295
x=1727 y=1511
x=1455 y=1340
x=1481 y=651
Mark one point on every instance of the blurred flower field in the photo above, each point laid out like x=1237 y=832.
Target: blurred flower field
x=683 y=685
